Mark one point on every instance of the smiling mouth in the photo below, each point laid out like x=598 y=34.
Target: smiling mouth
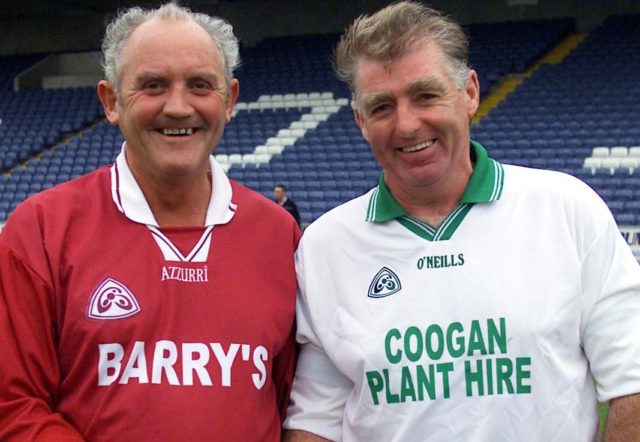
x=417 y=147
x=177 y=132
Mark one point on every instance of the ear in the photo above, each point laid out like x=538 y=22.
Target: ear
x=473 y=94
x=232 y=98
x=107 y=96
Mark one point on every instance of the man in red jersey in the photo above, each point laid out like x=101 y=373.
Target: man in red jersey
x=152 y=299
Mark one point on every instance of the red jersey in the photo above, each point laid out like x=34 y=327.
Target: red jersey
x=113 y=328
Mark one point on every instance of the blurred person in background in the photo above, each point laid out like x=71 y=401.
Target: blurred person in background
x=280 y=193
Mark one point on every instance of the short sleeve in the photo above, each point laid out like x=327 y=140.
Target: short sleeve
x=320 y=390
x=319 y=395
x=611 y=320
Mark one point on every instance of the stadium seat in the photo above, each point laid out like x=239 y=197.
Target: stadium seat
x=634 y=151
x=619 y=151
x=626 y=219
x=610 y=163
x=630 y=164
x=600 y=152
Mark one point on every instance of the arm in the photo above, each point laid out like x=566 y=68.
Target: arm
x=623 y=423
x=318 y=397
x=610 y=327
x=29 y=371
x=320 y=390
x=302 y=436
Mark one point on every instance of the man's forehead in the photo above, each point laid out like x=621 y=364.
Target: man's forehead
x=392 y=55
x=148 y=45
x=155 y=32
x=420 y=68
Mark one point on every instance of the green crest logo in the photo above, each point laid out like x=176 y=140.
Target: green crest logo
x=385 y=283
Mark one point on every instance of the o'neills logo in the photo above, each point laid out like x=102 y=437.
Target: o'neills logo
x=185 y=274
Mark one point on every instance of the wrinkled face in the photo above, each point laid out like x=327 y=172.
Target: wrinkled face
x=414 y=117
x=174 y=100
x=278 y=192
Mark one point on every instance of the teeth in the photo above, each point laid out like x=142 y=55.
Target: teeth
x=178 y=131
x=418 y=147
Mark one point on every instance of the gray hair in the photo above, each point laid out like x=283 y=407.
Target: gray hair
x=121 y=28
x=393 y=32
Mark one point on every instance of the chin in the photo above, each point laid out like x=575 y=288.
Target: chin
x=423 y=176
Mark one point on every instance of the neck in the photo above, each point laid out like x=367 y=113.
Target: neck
x=433 y=203
x=179 y=203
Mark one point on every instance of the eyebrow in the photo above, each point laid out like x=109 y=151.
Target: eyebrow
x=150 y=75
x=430 y=85
x=373 y=98
x=213 y=78
x=146 y=76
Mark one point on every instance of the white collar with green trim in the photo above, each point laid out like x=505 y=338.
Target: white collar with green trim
x=485 y=185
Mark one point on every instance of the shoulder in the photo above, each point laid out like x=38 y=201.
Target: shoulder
x=523 y=181
x=342 y=221
x=78 y=191
x=555 y=196
x=536 y=178
x=47 y=219
x=66 y=199
x=290 y=203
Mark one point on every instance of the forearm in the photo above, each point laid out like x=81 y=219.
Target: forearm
x=623 y=423
x=301 y=436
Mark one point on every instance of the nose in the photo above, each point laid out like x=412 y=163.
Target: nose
x=177 y=104
x=407 y=120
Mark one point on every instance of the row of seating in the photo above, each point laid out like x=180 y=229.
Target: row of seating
x=294 y=124
x=616 y=157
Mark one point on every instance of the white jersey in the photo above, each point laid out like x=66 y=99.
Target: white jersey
x=491 y=327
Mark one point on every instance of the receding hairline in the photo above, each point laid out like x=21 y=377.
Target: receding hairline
x=137 y=32
x=135 y=37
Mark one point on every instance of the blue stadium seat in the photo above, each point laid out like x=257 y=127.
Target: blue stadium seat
x=626 y=219
x=632 y=206
x=316 y=195
x=624 y=194
x=616 y=207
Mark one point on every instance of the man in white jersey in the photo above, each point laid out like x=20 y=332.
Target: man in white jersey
x=460 y=299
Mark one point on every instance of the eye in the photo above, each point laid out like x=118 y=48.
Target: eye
x=379 y=109
x=425 y=96
x=201 y=86
x=153 y=87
